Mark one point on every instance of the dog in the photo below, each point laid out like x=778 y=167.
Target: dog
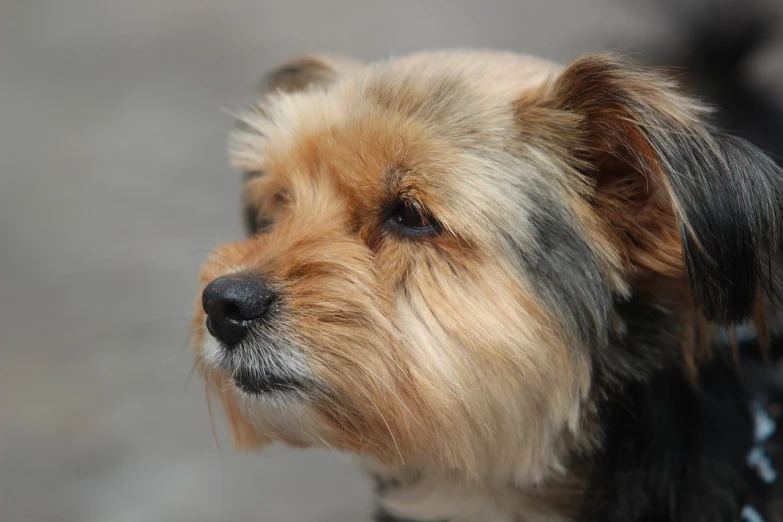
x=500 y=283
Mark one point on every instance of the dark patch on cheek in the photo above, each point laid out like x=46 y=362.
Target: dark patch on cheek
x=564 y=270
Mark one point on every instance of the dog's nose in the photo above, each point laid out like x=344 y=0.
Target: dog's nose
x=232 y=303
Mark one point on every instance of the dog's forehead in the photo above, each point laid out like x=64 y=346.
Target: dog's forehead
x=424 y=115
x=501 y=75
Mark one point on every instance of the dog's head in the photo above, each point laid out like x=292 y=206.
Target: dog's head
x=441 y=248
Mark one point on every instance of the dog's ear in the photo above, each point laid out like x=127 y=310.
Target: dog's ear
x=676 y=192
x=304 y=72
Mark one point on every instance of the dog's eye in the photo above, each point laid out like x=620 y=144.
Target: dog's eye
x=254 y=223
x=408 y=217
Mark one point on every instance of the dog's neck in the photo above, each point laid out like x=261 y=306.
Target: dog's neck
x=671 y=452
x=673 y=444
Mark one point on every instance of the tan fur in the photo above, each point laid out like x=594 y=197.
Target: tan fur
x=433 y=355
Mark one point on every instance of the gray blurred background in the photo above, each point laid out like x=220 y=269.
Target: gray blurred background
x=114 y=185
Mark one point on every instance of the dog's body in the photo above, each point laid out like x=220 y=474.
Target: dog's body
x=496 y=280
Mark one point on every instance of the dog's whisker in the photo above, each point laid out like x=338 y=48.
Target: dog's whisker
x=394 y=440
x=388 y=387
x=171 y=358
x=359 y=155
x=196 y=363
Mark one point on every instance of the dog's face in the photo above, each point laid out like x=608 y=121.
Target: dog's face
x=439 y=244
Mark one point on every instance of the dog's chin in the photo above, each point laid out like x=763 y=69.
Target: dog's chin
x=278 y=382
x=267 y=385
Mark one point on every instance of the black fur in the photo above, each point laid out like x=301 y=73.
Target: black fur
x=724 y=192
x=649 y=342
x=729 y=196
x=674 y=449
x=564 y=270
x=720 y=39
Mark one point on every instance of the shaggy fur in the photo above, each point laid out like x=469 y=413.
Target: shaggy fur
x=542 y=347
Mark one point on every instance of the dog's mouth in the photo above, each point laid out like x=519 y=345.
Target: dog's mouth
x=258 y=384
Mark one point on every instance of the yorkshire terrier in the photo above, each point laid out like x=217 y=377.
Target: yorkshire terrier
x=500 y=283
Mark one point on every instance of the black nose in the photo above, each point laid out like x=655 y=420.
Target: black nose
x=232 y=303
